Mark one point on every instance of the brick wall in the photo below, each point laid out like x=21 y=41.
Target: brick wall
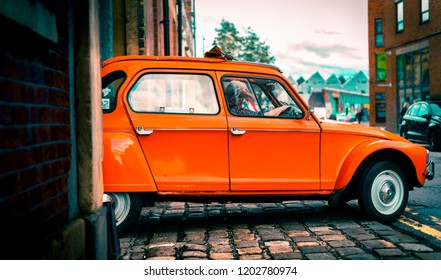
x=375 y=11
x=435 y=63
x=35 y=147
x=414 y=32
x=412 y=27
x=144 y=28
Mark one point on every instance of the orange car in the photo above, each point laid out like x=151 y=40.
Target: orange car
x=210 y=129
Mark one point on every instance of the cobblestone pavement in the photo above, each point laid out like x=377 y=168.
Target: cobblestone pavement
x=254 y=231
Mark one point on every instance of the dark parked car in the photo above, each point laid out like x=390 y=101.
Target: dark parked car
x=422 y=123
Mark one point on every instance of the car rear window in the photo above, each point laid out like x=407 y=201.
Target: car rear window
x=110 y=87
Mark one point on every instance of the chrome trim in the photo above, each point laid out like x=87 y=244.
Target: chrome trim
x=283 y=130
x=190 y=129
x=430 y=170
x=221 y=129
x=141 y=131
x=236 y=131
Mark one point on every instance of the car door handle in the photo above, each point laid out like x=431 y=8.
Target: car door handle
x=236 y=131
x=141 y=131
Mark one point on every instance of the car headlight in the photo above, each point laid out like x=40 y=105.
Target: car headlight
x=428 y=157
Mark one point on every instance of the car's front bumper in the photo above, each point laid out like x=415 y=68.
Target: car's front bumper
x=430 y=170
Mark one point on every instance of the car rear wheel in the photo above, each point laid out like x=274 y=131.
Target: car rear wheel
x=127 y=208
x=384 y=192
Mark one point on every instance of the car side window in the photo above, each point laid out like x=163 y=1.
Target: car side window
x=265 y=102
x=110 y=87
x=424 y=111
x=174 y=93
x=436 y=109
x=251 y=96
x=413 y=111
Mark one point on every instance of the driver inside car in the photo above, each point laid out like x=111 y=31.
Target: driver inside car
x=242 y=102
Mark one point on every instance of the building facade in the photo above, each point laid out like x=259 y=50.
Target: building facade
x=404 y=56
x=51 y=191
x=331 y=97
x=51 y=177
x=147 y=27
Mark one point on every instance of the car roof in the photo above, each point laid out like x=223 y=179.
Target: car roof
x=438 y=102
x=216 y=63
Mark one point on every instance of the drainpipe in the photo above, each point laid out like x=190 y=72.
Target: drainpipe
x=179 y=27
x=194 y=27
x=166 y=22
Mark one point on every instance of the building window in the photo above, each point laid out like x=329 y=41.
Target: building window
x=378 y=32
x=381 y=67
x=424 y=11
x=380 y=107
x=413 y=82
x=400 y=15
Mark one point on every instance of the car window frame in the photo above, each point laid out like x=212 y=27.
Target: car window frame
x=144 y=73
x=106 y=81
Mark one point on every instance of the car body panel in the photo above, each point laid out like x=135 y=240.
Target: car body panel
x=288 y=143
x=124 y=165
x=360 y=142
x=198 y=155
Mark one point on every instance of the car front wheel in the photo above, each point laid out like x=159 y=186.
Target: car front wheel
x=434 y=142
x=403 y=132
x=127 y=208
x=384 y=192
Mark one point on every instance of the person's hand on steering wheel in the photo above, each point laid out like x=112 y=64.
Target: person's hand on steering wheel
x=277 y=111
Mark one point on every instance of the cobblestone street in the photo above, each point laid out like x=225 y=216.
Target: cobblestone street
x=252 y=231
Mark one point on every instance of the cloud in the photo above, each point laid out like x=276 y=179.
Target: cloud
x=326 y=32
x=304 y=59
x=325 y=51
x=318 y=35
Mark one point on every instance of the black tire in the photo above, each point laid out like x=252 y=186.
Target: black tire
x=127 y=208
x=434 y=142
x=403 y=132
x=384 y=192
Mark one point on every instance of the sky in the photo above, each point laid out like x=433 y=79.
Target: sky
x=305 y=36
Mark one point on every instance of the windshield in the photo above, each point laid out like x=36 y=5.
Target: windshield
x=435 y=109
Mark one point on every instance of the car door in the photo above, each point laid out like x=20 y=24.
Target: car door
x=411 y=118
x=272 y=153
x=181 y=128
x=422 y=122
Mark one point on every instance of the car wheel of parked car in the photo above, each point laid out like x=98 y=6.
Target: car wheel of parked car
x=434 y=144
x=127 y=207
x=403 y=132
x=384 y=191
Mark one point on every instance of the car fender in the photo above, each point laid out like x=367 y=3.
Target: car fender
x=433 y=126
x=125 y=168
x=416 y=154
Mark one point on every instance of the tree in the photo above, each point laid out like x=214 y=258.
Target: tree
x=248 y=47
x=253 y=49
x=228 y=38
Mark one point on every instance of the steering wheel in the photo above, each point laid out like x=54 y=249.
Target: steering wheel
x=290 y=111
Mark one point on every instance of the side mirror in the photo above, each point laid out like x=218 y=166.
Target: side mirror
x=426 y=116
